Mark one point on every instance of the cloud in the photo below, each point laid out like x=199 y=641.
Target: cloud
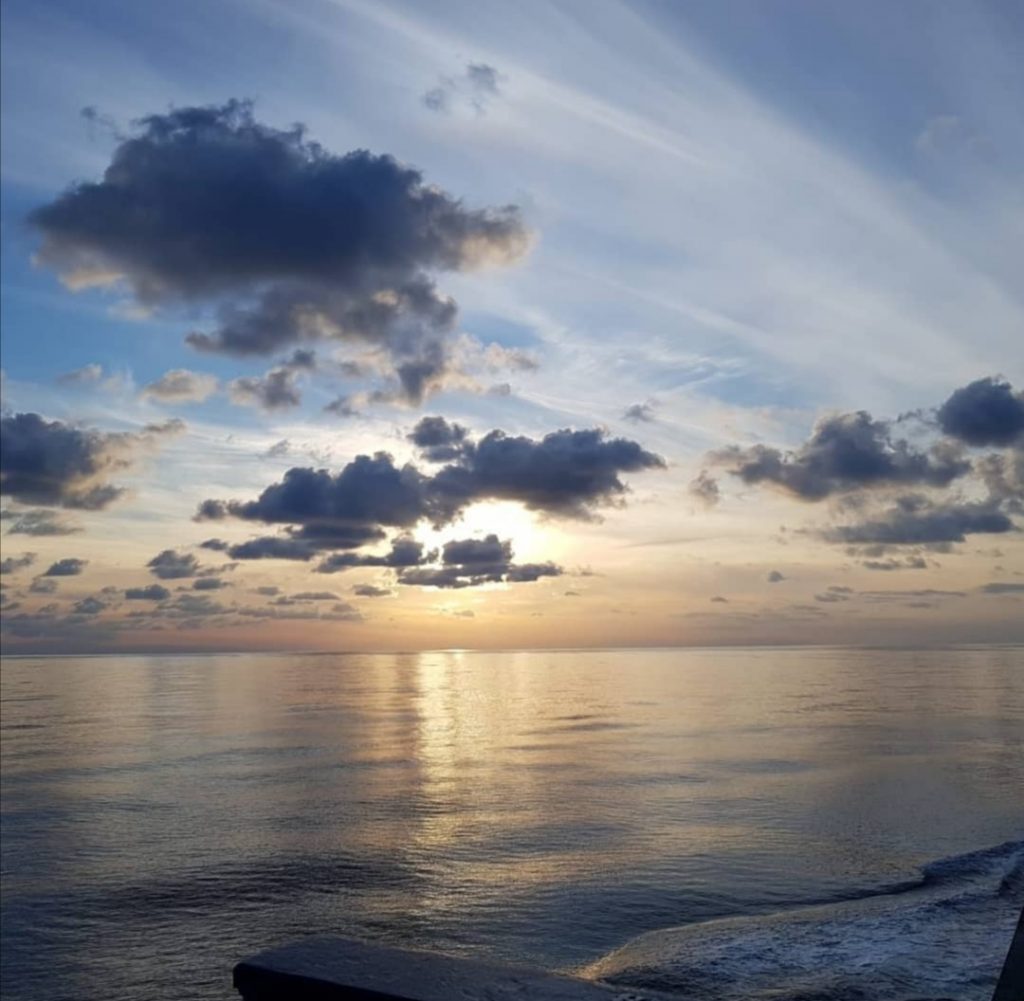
x=68 y=567
x=371 y=591
x=834 y=594
x=567 y=474
x=151 y=592
x=40 y=522
x=405 y=551
x=774 y=577
x=12 y=564
x=289 y=242
x=916 y=520
x=89 y=606
x=181 y=385
x=217 y=545
x=84 y=376
x=209 y=584
x=472 y=562
x=894 y=563
x=845 y=452
x=998 y=587
x=43 y=585
x=276 y=390
x=705 y=489
x=474 y=88
x=985 y=412
x=438 y=440
x=53 y=464
x=641 y=413
x=170 y=565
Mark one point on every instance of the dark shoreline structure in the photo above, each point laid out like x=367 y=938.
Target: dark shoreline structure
x=337 y=969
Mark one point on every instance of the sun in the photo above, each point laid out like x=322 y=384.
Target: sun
x=533 y=541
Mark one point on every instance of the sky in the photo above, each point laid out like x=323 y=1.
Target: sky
x=344 y=325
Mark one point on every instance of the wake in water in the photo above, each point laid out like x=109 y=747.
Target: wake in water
x=944 y=937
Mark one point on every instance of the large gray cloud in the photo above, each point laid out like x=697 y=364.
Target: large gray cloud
x=171 y=565
x=984 y=412
x=39 y=522
x=845 y=452
x=439 y=440
x=405 y=551
x=862 y=462
x=567 y=473
x=70 y=566
x=472 y=562
x=53 y=464
x=916 y=520
x=151 y=592
x=12 y=564
x=290 y=243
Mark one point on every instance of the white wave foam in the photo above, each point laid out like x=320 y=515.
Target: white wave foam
x=942 y=938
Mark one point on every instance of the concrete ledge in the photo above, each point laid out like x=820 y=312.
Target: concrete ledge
x=337 y=969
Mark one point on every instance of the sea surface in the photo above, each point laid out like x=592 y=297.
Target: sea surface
x=727 y=824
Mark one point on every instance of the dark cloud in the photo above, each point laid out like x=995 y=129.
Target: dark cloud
x=291 y=243
x=641 y=413
x=40 y=522
x=720 y=600
x=43 y=585
x=846 y=452
x=170 y=565
x=833 y=595
x=268 y=589
x=151 y=592
x=181 y=385
x=272 y=547
x=340 y=612
x=217 y=545
x=89 y=606
x=985 y=412
x=917 y=521
x=56 y=465
x=774 y=577
x=438 y=440
x=315 y=596
x=998 y=587
x=567 y=473
x=12 y=564
x=882 y=597
x=705 y=488
x=278 y=389
x=343 y=406
x=896 y=563
x=1003 y=476
x=472 y=562
x=67 y=567
x=371 y=591
x=405 y=551
x=209 y=584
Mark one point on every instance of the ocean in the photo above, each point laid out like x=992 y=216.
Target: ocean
x=807 y=823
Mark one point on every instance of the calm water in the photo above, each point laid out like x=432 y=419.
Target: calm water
x=165 y=816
